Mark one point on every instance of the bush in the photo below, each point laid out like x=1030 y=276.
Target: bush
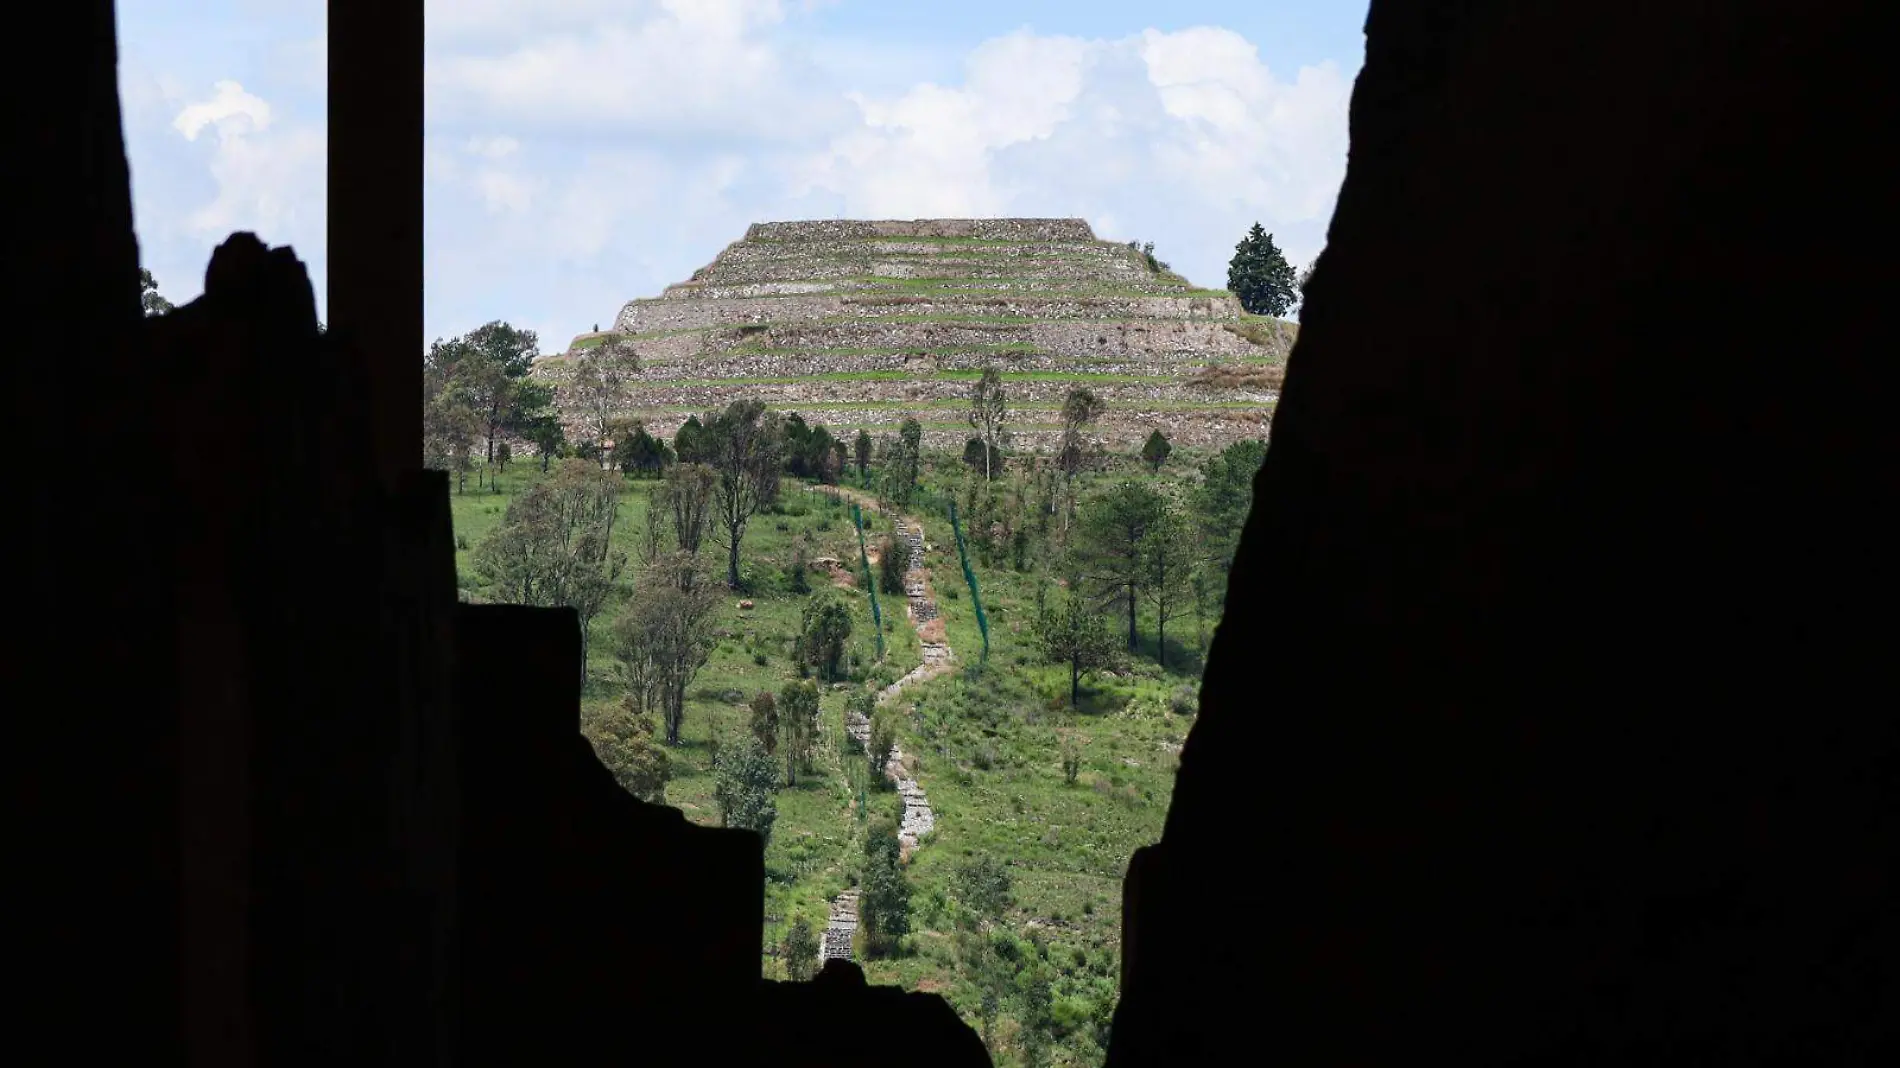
x=461 y=542
x=953 y=594
x=761 y=659
x=1186 y=700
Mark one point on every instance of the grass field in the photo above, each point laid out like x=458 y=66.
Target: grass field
x=986 y=739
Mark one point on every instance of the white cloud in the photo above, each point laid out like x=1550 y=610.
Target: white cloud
x=492 y=147
x=231 y=110
x=681 y=68
x=268 y=176
x=583 y=152
x=1185 y=138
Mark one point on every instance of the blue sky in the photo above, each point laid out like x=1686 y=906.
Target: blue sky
x=581 y=153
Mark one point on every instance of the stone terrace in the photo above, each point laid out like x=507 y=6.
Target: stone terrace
x=865 y=323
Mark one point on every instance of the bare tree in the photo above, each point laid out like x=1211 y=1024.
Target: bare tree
x=1167 y=557
x=1080 y=409
x=665 y=637
x=745 y=442
x=686 y=499
x=988 y=410
x=603 y=379
x=554 y=546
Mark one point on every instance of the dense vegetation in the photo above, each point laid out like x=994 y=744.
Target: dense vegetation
x=729 y=620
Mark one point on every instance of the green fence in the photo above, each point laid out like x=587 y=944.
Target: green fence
x=870 y=583
x=969 y=576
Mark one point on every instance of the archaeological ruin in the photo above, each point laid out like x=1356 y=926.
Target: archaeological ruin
x=864 y=324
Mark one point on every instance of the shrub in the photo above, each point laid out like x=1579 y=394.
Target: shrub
x=461 y=542
x=1186 y=700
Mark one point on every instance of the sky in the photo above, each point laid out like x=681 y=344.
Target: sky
x=582 y=153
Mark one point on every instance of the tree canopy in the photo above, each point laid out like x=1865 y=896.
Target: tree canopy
x=1260 y=276
x=742 y=445
x=745 y=786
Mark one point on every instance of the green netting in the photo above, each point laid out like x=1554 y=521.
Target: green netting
x=870 y=584
x=969 y=576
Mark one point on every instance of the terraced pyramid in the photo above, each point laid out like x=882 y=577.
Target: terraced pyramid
x=857 y=324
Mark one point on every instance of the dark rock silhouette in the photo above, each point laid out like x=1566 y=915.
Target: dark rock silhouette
x=1556 y=683
x=1554 y=706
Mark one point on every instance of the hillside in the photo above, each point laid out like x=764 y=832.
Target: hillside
x=862 y=324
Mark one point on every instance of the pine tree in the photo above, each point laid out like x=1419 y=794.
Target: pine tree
x=1260 y=276
x=1155 y=451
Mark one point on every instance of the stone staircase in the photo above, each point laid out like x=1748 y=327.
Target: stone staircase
x=918 y=819
x=839 y=929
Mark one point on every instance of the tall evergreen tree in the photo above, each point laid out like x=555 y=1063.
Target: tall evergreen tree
x=1260 y=276
x=1112 y=528
x=1155 y=451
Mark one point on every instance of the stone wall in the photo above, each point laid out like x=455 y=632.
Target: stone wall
x=643 y=316
x=983 y=229
x=793 y=310
x=1135 y=339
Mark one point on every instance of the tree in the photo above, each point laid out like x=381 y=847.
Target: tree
x=884 y=896
x=690 y=443
x=883 y=740
x=837 y=461
x=1080 y=410
x=822 y=634
x=623 y=739
x=797 y=726
x=637 y=452
x=861 y=452
x=800 y=951
x=1112 y=527
x=664 y=637
x=1072 y=632
x=491 y=365
x=1155 y=451
x=745 y=781
x=1260 y=276
x=744 y=444
x=148 y=295
x=1167 y=560
x=684 y=502
x=798 y=572
x=450 y=426
x=903 y=462
x=544 y=432
x=603 y=379
x=1223 y=500
x=809 y=450
x=982 y=458
x=988 y=410
x=1071 y=760
x=503 y=454
x=554 y=546
x=893 y=560
x=763 y=720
